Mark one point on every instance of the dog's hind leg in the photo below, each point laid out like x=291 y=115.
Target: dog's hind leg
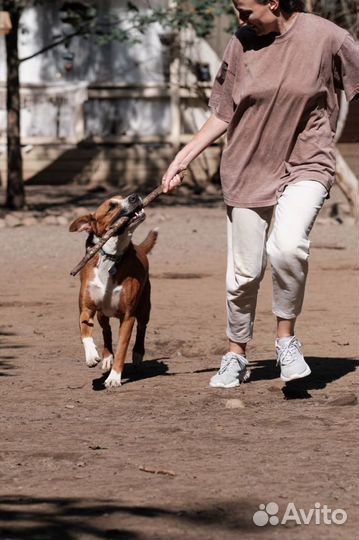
x=143 y=316
x=86 y=327
x=107 y=354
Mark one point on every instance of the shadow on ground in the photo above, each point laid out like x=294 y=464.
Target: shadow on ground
x=33 y=518
x=64 y=196
x=324 y=371
x=68 y=167
x=40 y=198
x=147 y=370
x=7 y=348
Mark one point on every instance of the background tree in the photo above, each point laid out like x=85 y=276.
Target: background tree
x=81 y=18
x=15 y=197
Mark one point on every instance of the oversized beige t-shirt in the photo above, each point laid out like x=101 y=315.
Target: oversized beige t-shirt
x=277 y=92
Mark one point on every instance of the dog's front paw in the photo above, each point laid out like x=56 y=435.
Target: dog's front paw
x=137 y=358
x=91 y=355
x=93 y=361
x=113 y=380
x=107 y=363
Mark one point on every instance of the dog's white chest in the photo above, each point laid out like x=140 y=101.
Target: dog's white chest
x=104 y=292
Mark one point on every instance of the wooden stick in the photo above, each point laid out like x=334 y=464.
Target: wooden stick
x=156 y=471
x=118 y=224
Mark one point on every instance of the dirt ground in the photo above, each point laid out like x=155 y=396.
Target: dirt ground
x=163 y=457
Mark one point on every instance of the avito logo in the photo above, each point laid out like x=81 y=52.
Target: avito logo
x=318 y=515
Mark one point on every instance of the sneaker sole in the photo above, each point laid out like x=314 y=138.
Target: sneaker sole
x=244 y=378
x=297 y=375
x=222 y=385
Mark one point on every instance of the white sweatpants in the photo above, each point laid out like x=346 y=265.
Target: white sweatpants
x=287 y=246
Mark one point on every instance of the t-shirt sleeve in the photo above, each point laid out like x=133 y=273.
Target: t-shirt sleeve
x=346 y=68
x=221 y=99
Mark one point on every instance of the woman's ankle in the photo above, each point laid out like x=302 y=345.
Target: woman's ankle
x=238 y=348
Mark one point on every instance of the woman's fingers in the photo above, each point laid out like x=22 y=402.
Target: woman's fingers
x=172 y=179
x=171 y=183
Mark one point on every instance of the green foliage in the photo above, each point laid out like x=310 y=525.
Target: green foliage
x=77 y=13
x=198 y=14
x=17 y=6
x=83 y=16
x=85 y=20
x=13 y=5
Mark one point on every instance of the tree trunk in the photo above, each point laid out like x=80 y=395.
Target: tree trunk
x=15 y=194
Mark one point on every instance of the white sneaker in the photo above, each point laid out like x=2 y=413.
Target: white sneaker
x=290 y=359
x=232 y=372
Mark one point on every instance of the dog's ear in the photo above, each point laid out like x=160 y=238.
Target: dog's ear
x=83 y=223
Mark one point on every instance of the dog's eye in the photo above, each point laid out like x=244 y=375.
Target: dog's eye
x=112 y=206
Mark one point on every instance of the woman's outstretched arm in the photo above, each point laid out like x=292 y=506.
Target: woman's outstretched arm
x=209 y=132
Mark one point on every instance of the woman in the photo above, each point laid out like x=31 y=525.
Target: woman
x=275 y=98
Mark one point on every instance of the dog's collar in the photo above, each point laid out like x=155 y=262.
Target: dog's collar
x=113 y=258
x=116 y=259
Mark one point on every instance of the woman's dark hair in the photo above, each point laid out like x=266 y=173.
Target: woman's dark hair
x=290 y=6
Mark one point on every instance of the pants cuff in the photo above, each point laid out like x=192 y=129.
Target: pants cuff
x=285 y=315
x=236 y=339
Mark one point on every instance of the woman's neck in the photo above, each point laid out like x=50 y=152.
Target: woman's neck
x=285 y=21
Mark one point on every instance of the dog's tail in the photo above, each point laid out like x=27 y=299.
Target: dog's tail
x=149 y=241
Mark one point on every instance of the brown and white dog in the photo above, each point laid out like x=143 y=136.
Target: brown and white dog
x=115 y=283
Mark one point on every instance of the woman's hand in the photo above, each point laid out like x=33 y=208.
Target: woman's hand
x=209 y=132
x=173 y=177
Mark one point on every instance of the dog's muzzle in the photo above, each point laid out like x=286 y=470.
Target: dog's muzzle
x=133 y=209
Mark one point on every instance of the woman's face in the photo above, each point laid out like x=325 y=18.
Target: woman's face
x=260 y=17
